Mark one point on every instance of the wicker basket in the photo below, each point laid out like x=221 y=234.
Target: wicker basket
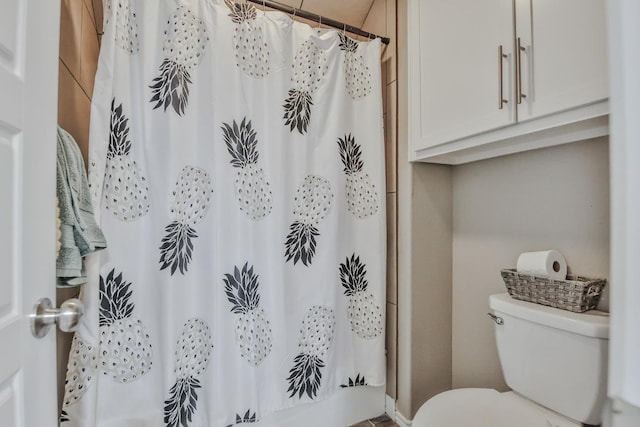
x=577 y=294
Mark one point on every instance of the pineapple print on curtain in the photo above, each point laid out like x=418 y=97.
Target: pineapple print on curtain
x=309 y=70
x=252 y=55
x=362 y=311
x=312 y=202
x=190 y=201
x=126 y=26
x=316 y=337
x=125 y=346
x=356 y=73
x=193 y=351
x=185 y=39
x=251 y=187
x=362 y=197
x=253 y=333
x=246 y=261
x=126 y=193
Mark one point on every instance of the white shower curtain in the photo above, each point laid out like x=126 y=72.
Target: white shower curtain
x=236 y=165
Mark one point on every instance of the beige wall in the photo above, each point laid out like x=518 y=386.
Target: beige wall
x=79 y=48
x=555 y=198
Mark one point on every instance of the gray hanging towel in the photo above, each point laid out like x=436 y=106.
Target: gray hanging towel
x=80 y=235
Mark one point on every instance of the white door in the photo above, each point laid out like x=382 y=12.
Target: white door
x=456 y=78
x=564 y=61
x=28 y=103
x=624 y=154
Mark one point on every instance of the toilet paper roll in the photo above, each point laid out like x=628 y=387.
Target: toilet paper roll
x=543 y=263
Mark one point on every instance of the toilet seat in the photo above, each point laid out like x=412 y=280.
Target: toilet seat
x=481 y=407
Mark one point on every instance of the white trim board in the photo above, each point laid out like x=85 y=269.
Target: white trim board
x=390 y=406
x=402 y=421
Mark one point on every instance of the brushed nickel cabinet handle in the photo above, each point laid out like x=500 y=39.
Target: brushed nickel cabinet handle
x=501 y=100
x=519 y=50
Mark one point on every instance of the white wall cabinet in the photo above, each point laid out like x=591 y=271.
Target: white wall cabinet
x=493 y=77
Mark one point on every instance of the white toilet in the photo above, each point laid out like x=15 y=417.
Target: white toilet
x=554 y=360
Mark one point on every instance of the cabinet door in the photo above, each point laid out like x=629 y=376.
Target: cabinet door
x=454 y=72
x=564 y=61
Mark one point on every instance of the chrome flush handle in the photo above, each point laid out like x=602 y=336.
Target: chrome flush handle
x=497 y=319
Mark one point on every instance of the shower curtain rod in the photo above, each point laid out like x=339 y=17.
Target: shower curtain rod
x=320 y=19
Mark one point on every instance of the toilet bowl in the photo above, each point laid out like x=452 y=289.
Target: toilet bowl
x=483 y=407
x=555 y=361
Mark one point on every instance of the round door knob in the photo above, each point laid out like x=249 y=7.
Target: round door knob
x=67 y=317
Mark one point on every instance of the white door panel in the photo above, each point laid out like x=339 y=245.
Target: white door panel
x=564 y=61
x=624 y=154
x=28 y=87
x=456 y=82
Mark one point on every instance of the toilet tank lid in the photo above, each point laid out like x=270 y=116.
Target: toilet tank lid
x=592 y=323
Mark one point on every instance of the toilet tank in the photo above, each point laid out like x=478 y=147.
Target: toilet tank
x=554 y=357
